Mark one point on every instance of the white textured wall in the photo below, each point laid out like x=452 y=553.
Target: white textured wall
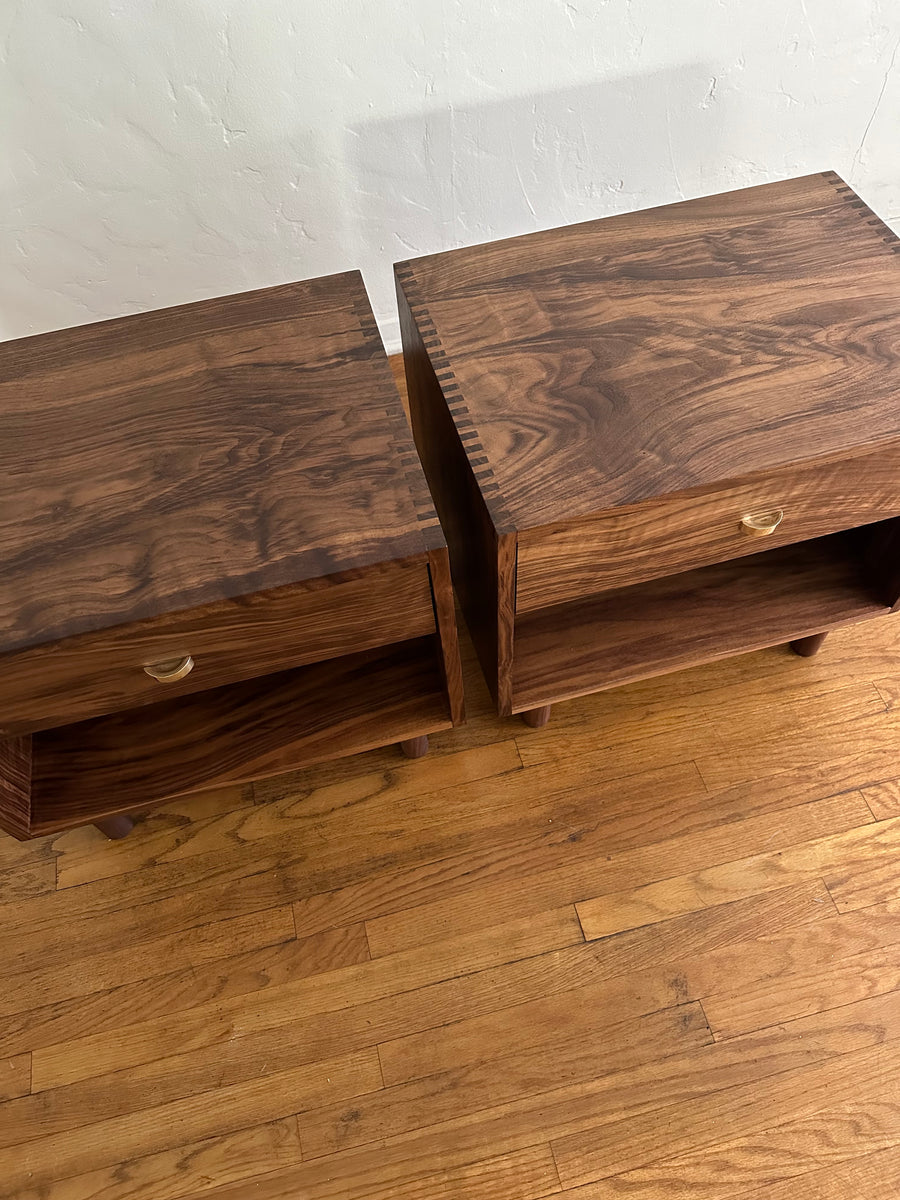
x=158 y=151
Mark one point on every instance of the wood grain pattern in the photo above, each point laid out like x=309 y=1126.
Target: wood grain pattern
x=600 y=406
x=172 y=1174
x=483 y=556
x=670 y=534
x=238 y=733
x=16 y=764
x=76 y=1150
x=15 y=1076
x=615 y=1149
x=681 y=620
x=820 y=857
x=233 y=481
x=659 y=352
x=232 y=640
x=870 y=972
x=542 y=1067
x=53 y=1027
x=637 y=971
x=43 y=986
x=323 y=995
x=170 y=1037
x=833 y=1135
x=876 y=1176
x=445 y=623
x=615 y=879
x=278 y=461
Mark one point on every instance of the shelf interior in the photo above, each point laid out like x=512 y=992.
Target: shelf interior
x=235 y=734
x=681 y=620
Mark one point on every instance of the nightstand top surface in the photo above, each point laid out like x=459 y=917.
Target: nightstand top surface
x=162 y=461
x=606 y=363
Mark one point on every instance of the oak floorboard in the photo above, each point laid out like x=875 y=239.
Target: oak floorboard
x=867 y=1124
x=432 y=1016
x=522 y=1175
x=744 y=1109
x=851 y=848
x=143 y=960
x=707 y=721
x=192 y=1168
x=588 y=870
x=133 y=1003
x=90 y=1146
x=167 y=1011
x=214 y=1023
x=15 y=1076
x=830 y=981
x=543 y=828
x=464 y=1090
x=31 y=879
x=172 y=835
x=355 y=1174
x=842 y=722
x=883 y=799
x=875 y=1176
x=623 y=980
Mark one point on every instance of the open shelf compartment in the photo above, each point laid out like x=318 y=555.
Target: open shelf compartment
x=82 y=772
x=713 y=612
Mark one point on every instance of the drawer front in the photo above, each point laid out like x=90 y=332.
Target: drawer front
x=671 y=534
x=104 y=672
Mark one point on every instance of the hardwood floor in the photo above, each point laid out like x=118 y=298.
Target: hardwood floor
x=652 y=950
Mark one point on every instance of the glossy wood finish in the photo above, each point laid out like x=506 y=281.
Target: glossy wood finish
x=415 y=747
x=234 y=734
x=537 y=718
x=682 y=620
x=600 y=406
x=176 y=458
x=652 y=353
x=236 y=639
x=674 y=534
x=483 y=561
x=233 y=481
x=808 y=646
x=15 y=785
x=650 y=951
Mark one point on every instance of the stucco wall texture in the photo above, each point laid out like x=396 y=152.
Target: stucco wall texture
x=160 y=151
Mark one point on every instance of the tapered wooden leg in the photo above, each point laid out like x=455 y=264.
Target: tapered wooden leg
x=808 y=646
x=415 y=747
x=537 y=718
x=115 y=827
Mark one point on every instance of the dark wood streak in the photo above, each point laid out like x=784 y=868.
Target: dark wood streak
x=233 y=734
x=682 y=620
x=613 y=398
x=177 y=458
x=233 y=480
x=96 y=673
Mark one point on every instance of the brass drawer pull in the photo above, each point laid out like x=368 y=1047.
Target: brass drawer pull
x=762 y=524
x=171 y=670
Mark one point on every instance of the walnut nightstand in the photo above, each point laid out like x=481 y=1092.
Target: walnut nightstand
x=665 y=437
x=218 y=556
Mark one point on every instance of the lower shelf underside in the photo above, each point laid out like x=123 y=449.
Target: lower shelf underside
x=233 y=734
x=682 y=620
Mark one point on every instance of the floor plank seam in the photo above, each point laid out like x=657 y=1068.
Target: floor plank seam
x=834 y=1009
x=868 y=805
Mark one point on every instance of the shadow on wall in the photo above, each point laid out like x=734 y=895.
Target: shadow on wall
x=456 y=176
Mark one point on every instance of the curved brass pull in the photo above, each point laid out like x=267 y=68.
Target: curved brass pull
x=762 y=524
x=171 y=670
